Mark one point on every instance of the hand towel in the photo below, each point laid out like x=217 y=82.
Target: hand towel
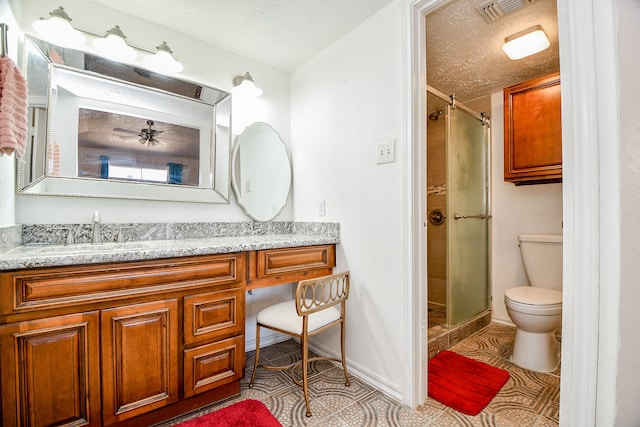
x=13 y=109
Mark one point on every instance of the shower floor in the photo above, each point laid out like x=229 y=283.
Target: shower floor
x=437 y=314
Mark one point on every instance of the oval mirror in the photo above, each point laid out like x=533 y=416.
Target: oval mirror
x=260 y=172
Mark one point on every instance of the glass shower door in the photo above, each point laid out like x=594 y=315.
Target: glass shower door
x=467 y=217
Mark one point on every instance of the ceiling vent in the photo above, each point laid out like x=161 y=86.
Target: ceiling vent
x=493 y=10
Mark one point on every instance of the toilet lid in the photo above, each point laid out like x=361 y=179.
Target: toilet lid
x=534 y=296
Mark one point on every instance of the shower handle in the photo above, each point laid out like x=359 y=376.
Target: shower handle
x=481 y=216
x=437 y=217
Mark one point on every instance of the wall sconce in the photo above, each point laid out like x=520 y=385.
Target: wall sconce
x=244 y=85
x=58 y=29
x=163 y=60
x=113 y=45
x=526 y=42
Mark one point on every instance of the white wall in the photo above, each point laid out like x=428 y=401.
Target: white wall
x=628 y=378
x=345 y=101
x=524 y=209
x=203 y=63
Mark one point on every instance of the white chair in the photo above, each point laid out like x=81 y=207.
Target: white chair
x=319 y=305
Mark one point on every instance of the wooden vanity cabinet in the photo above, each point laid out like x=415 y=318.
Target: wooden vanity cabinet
x=533 y=131
x=120 y=344
x=133 y=343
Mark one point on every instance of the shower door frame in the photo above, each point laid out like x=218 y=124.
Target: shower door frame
x=484 y=121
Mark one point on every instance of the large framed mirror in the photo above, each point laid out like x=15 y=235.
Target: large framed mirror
x=100 y=128
x=260 y=172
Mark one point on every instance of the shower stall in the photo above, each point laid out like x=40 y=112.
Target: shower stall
x=458 y=213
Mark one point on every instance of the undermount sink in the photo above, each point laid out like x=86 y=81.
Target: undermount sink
x=87 y=247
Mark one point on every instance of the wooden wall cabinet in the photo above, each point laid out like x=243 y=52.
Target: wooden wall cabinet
x=533 y=131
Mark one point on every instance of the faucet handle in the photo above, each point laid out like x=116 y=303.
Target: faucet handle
x=70 y=237
x=121 y=237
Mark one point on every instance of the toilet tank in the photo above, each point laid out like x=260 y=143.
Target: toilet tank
x=542 y=259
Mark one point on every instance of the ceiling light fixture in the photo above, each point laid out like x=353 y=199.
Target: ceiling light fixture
x=58 y=29
x=163 y=60
x=526 y=42
x=113 y=45
x=244 y=85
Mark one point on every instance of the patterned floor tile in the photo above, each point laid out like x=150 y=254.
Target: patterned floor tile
x=528 y=399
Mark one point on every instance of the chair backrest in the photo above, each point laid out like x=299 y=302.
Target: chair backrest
x=320 y=293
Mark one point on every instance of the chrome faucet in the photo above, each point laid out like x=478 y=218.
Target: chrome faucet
x=97 y=237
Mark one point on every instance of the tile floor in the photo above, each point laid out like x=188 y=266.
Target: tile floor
x=528 y=398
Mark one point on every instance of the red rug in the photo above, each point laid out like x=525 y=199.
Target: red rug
x=464 y=384
x=248 y=413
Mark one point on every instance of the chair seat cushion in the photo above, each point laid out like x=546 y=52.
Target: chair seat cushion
x=285 y=317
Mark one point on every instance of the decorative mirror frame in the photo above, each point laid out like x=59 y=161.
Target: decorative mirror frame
x=263 y=184
x=33 y=174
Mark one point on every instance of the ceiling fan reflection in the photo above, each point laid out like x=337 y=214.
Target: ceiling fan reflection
x=147 y=135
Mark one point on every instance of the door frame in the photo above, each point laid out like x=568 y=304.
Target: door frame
x=589 y=71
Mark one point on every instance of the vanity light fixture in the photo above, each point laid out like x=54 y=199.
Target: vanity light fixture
x=58 y=29
x=163 y=60
x=526 y=42
x=244 y=85
x=113 y=45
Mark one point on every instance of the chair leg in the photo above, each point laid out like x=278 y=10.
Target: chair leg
x=255 y=362
x=305 y=370
x=344 y=359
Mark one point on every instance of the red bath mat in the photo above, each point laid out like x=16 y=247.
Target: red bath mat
x=247 y=413
x=464 y=384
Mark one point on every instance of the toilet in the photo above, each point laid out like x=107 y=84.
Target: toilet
x=536 y=309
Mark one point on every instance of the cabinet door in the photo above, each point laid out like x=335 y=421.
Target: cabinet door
x=533 y=131
x=139 y=359
x=51 y=372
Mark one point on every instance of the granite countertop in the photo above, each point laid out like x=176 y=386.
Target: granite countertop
x=38 y=255
x=41 y=245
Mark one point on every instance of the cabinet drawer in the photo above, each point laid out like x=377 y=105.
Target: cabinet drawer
x=213 y=315
x=212 y=365
x=274 y=266
x=66 y=286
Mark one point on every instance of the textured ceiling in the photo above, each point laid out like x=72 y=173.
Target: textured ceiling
x=280 y=33
x=464 y=53
x=465 y=56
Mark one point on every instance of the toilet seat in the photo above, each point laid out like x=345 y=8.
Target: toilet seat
x=533 y=300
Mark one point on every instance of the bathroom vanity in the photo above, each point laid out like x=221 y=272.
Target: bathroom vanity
x=120 y=337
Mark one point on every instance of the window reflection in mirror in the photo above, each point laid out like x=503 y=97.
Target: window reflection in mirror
x=117 y=146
